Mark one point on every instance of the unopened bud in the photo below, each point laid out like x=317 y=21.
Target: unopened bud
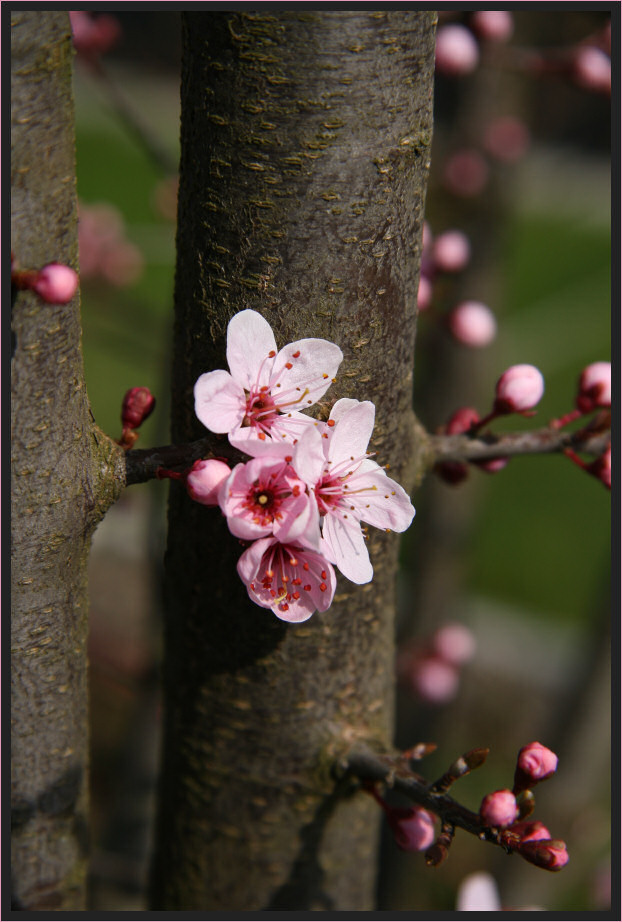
x=462 y=420
x=498 y=808
x=493 y=25
x=412 y=828
x=518 y=389
x=601 y=468
x=205 y=480
x=138 y=404
x=550 y=854
x=451 y=251
x=54 y=283
x=472 y=324
x=457 y=52
x=531 y=832
x=492 y=465
x=594 y=387
x=452 y=472
x=535 y=763
x=454 y=643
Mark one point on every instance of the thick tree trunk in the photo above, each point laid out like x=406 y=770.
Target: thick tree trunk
x=305 y=149
x=63 y=473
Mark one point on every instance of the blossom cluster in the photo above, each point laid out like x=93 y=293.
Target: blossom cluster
x=309 y=485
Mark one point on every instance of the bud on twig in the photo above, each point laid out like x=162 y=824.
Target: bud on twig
x=54 y=283
x=138 y=404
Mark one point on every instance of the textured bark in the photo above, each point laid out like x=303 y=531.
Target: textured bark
x=305 y=150
x=63 y=473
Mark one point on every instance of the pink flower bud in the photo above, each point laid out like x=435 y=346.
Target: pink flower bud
x=493 y=25
x=472 y=324
x=506 y=139
x=462 y=420
x=594 y=387
x=533 y=831
x=457 y=52
x=205 y=480
x=466 y=173
x=518 y=389
x=452 y=472
x=499 y=808
x=451 y=251
x=138 y=404
x=493 y=465
x=424 y=293
x=601 y=468
x=435 y=680
x=535 y=763
x=454 y=643
x=412 y=827
x=592 y=69
x=55 y=283
x=550 y=854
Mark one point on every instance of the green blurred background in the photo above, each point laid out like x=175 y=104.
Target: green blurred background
x=521 y=557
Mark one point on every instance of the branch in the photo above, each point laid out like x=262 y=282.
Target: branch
x=142 y=465
x=537 y=441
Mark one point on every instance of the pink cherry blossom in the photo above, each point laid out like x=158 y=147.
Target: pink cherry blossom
x=457 y=52
x=498 y=808
x=451 y=251
x=493 y=25
x=349 y=487
x=265 y=497
x=260 y=398
x=290 y=579
x=205 y=479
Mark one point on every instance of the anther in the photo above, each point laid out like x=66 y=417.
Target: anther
x=323 y=587
x=307 y=588
x=288 y=365
x=271 y=354
x=331 y=423
x=296 y=354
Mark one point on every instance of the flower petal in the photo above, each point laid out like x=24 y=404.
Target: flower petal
x=249 y=342
x=344 y=544
x=342 y=406
x=303 y=372
x=378 y=500
x=309 y=458
x=219 y=401
x=351 y=435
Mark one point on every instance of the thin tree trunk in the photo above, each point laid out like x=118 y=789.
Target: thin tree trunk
x=63 y=479
x=305 y=150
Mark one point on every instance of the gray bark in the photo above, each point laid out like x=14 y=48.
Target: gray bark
x=305 y=150
x=63 y=474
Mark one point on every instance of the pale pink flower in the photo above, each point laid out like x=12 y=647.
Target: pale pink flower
x=454 y=643
x=472 y=324
x=592 y=69
x=594 y=387
x=349 y=487
x=451 y=251
x=290 y=579
x=493 y=25
x=518 y=389
x=265 y=497
x=205 y=479
x=457 y=52
x=434 y=679
x=498 y=808
x=478 y=893
x=260 y=398
x=466 y=172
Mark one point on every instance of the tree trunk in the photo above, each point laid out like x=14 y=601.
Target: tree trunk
x=63 y=476
x=305 y=150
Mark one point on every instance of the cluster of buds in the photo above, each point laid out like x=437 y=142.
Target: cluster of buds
x=593 y=396
x=138 y=404
x=432 y=669
x=54 y=283
x=470 y=323
x=518 y=390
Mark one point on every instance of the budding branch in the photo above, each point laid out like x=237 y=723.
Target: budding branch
x=142 y=465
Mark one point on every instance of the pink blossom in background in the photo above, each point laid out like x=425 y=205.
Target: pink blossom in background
x=451 y=251
x=493 y=25
x=292 y=580
x=518 y=389
x=205 y=480
x=472 y=324
x=434 y=679
x=591 y=69
x=424 y=293
x=594 y=387
x=105 y=251
x=462 y=420
x=454 y=643
x=265 y=497
x=260 y=398
x=457 y=52
x=498 y=808
x=349 y=487
x=466 y=173
x=478 y=893
x=93 y=35
x=506 y=139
